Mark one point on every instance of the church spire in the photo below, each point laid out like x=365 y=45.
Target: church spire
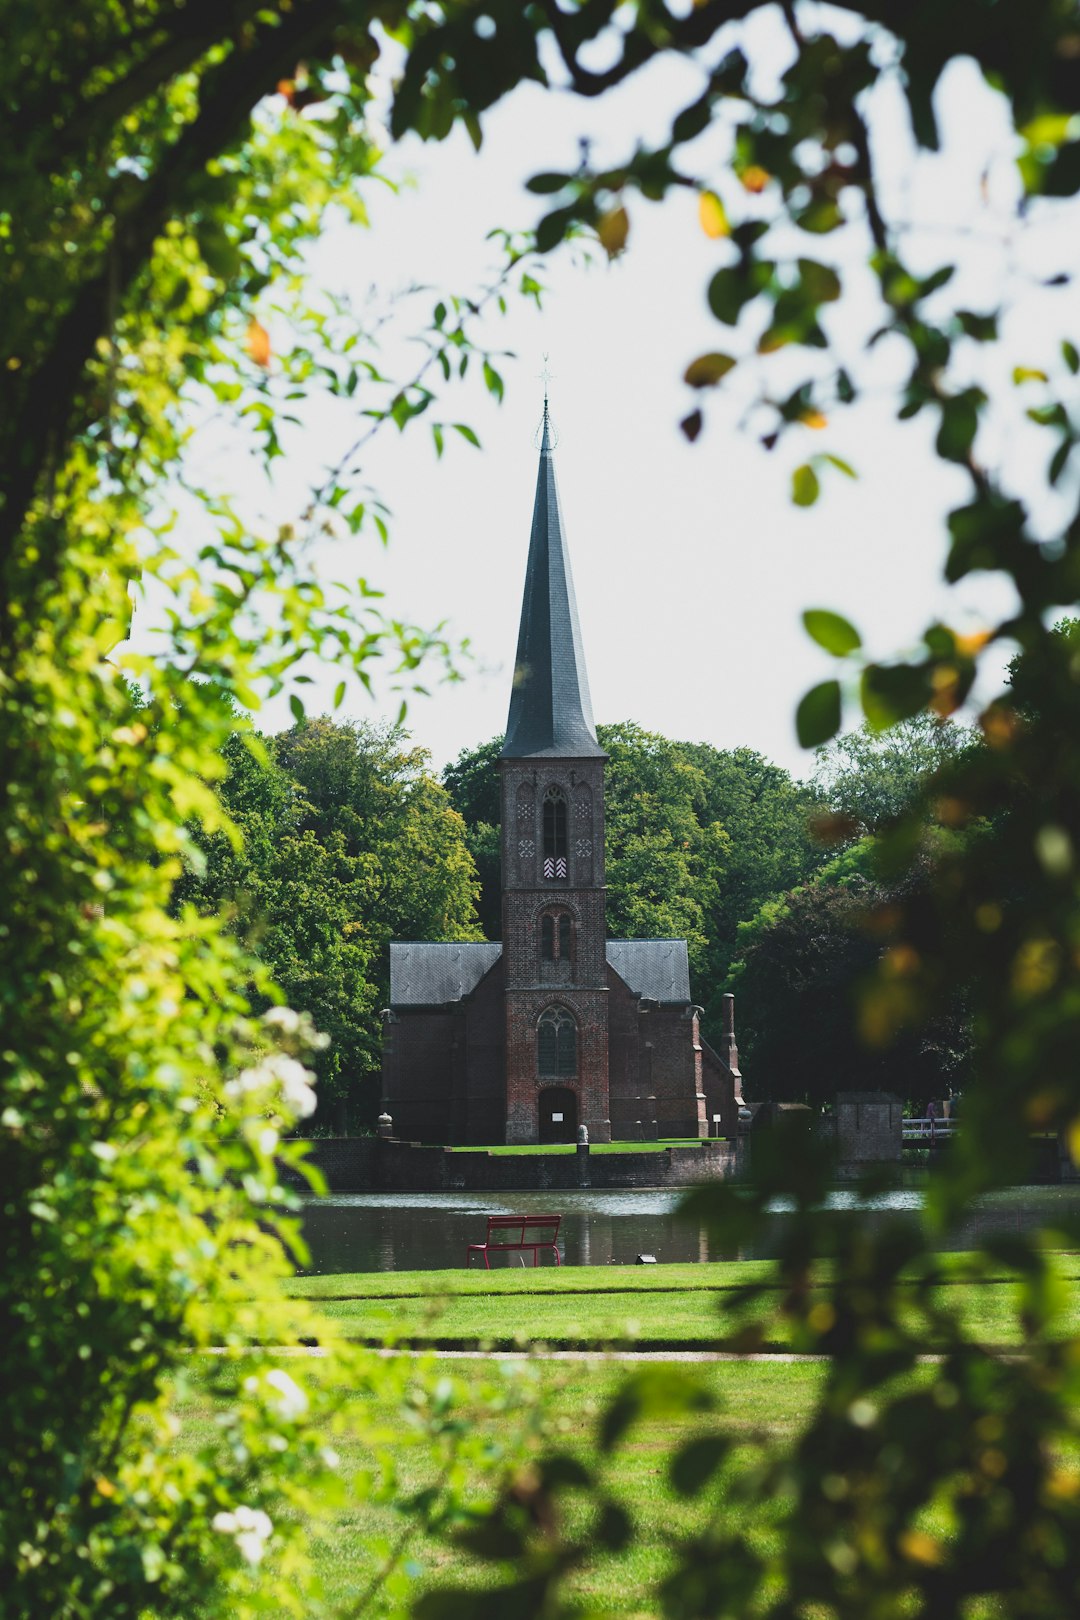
x=550 y=709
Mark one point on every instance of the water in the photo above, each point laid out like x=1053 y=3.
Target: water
x=431 y=1231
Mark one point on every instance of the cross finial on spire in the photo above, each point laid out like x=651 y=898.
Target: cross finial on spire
x=549 y=438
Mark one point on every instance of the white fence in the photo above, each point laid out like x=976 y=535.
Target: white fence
x=928 y=1130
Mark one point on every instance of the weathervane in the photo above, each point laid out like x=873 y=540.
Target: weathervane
x=547 y=427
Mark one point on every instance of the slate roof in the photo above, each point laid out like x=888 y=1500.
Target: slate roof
x=431 y=975
x=654 y=969
x=550 y=708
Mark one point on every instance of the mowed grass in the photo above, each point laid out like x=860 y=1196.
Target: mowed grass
x=594 y=1147
x=669 y=1307
x=761 y=1405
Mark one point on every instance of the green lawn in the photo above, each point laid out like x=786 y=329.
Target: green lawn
x=687 y=1306
x=762 y=1404
x=596 y=1147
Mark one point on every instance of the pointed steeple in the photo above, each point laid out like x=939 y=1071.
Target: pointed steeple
x=550 y=708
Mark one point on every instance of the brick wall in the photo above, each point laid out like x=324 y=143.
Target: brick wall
x=366 y=1164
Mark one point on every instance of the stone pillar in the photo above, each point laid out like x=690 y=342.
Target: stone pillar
x=583 y=1163
x=385 y=1127
x=728 y=1049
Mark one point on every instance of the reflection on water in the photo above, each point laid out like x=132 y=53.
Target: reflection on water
x=431 y=1231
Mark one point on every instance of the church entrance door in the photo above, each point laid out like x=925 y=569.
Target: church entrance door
x=558 y=1114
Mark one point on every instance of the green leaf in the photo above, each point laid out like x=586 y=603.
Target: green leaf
x=832 y=632
x=821 y=282
x=805 y=485
x=298 y=712
x=818 y=716
x=983 y=328
x=492 y=380
x=707 y=370
x=466 y=433
x=959 y=424
x=543 y=185
x=838 y=462
x=729 y=290
x=1070 y=356
x=339 y=694
x=1023 y=374
x=820 y=216
x=1059 y=460
x=614 y=1528
x=552 y=228
x=695 y=1464
x=894 y=692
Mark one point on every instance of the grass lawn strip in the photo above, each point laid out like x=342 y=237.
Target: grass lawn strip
x=514 y=1151
x=669 y=1311
x=758 y=1401
x=700 y=1276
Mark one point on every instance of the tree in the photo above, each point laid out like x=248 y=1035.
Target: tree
x=870 y=778
x=148 y=221
x=472 y=782
x=349 y=842
x=802 y=962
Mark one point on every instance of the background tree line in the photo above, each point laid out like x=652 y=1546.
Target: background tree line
x=350 y=841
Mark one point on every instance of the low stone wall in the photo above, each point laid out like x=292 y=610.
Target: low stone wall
x=369 y=1164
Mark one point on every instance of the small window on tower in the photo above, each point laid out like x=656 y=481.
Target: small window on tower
x=557 y=941
x=555 y=818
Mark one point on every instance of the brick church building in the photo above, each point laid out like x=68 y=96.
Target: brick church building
x=556 y=1026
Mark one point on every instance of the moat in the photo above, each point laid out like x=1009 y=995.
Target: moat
x=430 y=1231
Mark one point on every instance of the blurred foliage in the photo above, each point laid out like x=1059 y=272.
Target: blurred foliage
x=803 y=962
x=163 y=167
x=348 y=842
x=157 y=200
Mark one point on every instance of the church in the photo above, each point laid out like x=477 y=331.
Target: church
x=557 y=1026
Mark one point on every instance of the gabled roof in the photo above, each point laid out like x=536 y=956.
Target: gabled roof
x=550 y=707
x=433 y=975
x=654 y=969
x=429 y=975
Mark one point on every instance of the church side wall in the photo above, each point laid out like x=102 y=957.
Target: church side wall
x=485 y=1063
x=420 y=1052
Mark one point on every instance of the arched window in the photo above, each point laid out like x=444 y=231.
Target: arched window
x=556 y=1045
x=555 y=818
x=547 y=937
x=565 y=933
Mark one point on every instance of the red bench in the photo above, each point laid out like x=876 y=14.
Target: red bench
x=518 y=1232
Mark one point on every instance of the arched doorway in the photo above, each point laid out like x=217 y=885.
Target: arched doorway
x=558 y=1114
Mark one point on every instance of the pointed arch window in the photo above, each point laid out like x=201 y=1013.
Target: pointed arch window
x=556 y=1045
x=555 y=839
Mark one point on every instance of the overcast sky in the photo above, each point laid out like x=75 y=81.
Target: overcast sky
x=691 y=565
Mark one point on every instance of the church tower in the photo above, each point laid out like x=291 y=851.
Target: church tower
x=554 y=939
x=555 y=1026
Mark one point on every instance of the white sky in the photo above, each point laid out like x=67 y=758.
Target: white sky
x=691 y=565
